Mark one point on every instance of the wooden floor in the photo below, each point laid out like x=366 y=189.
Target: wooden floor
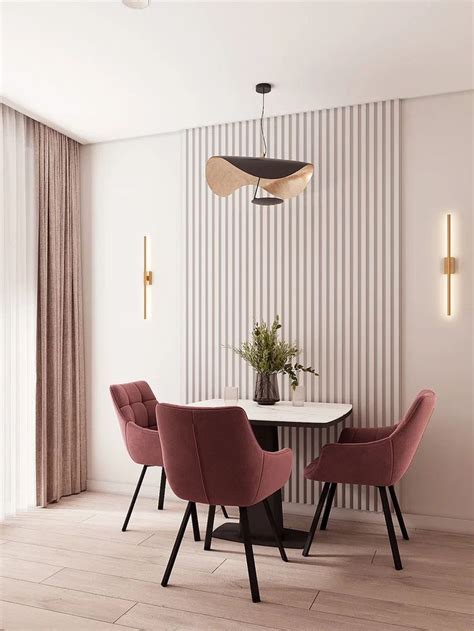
x=70 y=567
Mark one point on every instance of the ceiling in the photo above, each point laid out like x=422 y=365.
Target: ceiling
x=100 y=71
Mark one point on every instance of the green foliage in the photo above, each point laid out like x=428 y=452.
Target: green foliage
x=267 y=354
x=293 y=372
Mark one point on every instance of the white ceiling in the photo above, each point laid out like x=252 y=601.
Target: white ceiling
x=100 y=71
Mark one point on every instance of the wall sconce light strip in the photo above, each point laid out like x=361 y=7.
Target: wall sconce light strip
x=449 y=264
x=147 y=278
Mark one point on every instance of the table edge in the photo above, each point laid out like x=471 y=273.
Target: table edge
x=303 y=424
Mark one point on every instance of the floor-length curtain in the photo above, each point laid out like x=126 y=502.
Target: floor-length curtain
x=18 y=229
x=60 y=401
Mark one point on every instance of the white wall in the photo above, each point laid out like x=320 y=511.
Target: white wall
x=129 y=189
x=437 y=172
x=132 y=188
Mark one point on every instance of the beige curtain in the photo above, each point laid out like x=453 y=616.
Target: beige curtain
x=60 y=399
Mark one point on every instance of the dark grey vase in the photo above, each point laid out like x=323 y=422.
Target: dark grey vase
x=266 y=389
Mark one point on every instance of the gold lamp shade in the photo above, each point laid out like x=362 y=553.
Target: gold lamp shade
x=281 y=178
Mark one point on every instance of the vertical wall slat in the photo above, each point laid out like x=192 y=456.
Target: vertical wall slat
x=396 y=260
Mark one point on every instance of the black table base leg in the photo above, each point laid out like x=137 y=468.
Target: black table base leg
x=291 y=538
x=267 y=438
x=262 y=534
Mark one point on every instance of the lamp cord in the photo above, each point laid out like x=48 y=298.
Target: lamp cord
x=262 y=133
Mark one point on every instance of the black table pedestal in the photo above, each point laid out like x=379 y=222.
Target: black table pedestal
x=291 y=538
x=267 y=436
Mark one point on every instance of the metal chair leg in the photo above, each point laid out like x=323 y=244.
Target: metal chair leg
x=327 y=509
x=317 y=514
x=177 y=543
x=134 y=498
x=209 y=527
x=161 y=498
x=398 y=512
x=390 y=529
x=224 y=512
x=274 y=528
x=244 y=523
x=194 y=519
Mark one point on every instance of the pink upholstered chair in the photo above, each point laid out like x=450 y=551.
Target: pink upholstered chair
x=135 y=405
x=376 y=456
x=212 y=457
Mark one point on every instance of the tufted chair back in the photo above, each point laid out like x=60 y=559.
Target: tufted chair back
x=135 y=405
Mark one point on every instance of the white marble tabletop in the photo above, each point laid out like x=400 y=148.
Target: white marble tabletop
x=285 y=414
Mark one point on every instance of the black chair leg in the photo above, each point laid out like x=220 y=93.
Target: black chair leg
x=161 y=498
x=244 y=523
x=134 y=498
x=274 y=528
x=177 y=543
x=390 y=529
x=224 y=512
x=209 y=527
x=327 y=509
x=194 y=519
x=398 y=512
x=317 y=514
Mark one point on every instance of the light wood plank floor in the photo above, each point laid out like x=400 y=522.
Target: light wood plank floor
x=69 y=567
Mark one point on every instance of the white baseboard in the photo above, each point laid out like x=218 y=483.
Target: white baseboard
x=126 y=488
x=425 y=522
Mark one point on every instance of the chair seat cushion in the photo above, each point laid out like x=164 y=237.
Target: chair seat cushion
x=375 y=456
x=144 y=444
x=349 y=435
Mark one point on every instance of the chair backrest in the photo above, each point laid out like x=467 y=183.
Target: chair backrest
x=407 y=436
x=134 y=402
x=210 y=455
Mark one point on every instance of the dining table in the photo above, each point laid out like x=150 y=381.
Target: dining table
x=265 y=421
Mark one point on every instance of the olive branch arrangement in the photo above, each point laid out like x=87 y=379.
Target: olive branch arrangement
x=267 y=354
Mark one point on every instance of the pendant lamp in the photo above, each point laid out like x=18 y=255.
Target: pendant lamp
x=281 y=178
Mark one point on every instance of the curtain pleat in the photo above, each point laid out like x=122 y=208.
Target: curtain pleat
x=60 y=396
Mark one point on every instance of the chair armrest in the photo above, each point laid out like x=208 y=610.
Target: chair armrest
x=357 y=463
x=143 y=444
x=276 y=470
x=365 y=434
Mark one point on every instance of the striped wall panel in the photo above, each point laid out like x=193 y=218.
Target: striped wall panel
x=327 y=262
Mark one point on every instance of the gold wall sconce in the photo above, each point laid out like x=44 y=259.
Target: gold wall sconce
x=449 y=265
x=147 y=279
